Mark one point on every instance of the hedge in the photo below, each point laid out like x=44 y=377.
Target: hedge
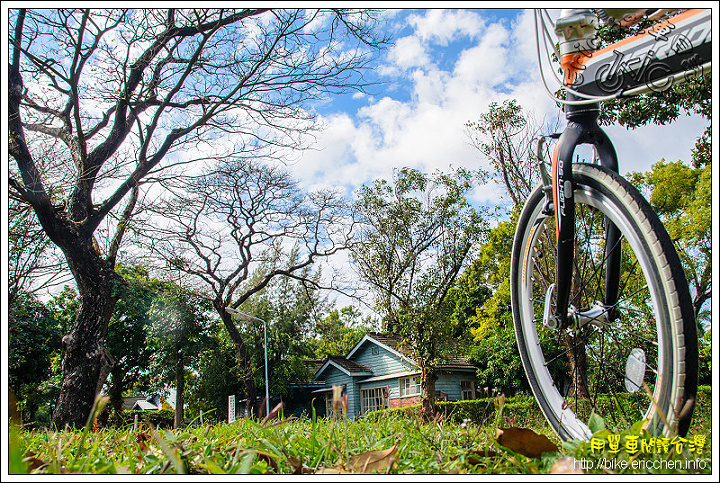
x=521 y=410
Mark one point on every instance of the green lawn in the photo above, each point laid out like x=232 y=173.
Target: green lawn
x=392 y=443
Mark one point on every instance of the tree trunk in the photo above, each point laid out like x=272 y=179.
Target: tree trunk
x=86 y=362
x=116 y=391
x=427 y=397
x=179 y=390
x=243 y=358
x=577 y=366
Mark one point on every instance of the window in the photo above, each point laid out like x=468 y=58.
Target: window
x=467 y=390
x=328 y=405
x=373 y=399
x=409 y=386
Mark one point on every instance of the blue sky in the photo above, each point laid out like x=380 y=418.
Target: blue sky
x=444 y=68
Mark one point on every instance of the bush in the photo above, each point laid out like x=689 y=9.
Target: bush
x=523 y=410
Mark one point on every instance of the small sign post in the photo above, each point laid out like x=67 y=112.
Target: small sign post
x=231 y=408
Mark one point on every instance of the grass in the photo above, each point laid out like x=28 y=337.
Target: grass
x=395 y=444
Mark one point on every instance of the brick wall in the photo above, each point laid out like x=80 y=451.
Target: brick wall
x=401 y=402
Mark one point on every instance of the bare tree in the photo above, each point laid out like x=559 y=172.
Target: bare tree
x=129 y=94
x=507 y=136
x=241 y=225
x=33 y=264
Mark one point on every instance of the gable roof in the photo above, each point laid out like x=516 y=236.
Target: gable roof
x=386 y=341
x=129 y=401
x=457 y=363
x=349 y=367
x=143 y=405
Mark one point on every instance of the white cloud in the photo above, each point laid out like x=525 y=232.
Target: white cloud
x=419 y=120
x=408 y=52
x=445 y=26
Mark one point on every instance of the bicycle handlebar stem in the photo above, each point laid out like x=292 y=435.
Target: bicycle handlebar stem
x=576 y=30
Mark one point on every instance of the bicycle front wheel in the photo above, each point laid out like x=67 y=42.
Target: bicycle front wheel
x=633 y=360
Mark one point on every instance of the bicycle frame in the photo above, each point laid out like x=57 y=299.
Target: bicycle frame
x=674 y=50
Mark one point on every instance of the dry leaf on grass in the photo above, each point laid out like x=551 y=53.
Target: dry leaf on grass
x=370 y=462
x=33 y=462
x=475 y=457
x=297 y=466
x=373 y=461
x=525 y=441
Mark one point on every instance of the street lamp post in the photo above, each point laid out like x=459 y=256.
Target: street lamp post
x=267 y=381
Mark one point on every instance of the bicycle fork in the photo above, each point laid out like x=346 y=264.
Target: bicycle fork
x=560 y=184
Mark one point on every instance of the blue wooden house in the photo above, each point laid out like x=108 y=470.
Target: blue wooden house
x=377 y=374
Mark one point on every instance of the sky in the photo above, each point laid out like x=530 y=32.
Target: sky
x=444 y=69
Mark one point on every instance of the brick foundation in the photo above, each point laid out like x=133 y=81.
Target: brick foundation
x=401 y=402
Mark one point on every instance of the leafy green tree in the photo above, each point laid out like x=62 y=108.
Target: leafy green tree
x=416 y=236
x=682 y=196
x=214 y=377
x=290 y=306
x=126 y=338
x=34 y=342
x=339 y=331
x=705 y=353
x=178 y=332
x=494 y=348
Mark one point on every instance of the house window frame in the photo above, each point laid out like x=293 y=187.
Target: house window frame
x=373 y=399
x=405 y=388
x=328 y=405
x=467 y=390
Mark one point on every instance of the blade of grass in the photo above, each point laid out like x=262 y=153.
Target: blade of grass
x=168 y=451
x=98 y=405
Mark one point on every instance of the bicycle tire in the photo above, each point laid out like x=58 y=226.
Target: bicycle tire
x=569 y=390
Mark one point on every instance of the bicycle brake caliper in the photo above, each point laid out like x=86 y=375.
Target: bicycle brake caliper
x=548 y=208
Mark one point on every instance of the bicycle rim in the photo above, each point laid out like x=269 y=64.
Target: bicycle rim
x=625 y=367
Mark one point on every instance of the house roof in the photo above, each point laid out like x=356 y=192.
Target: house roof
x=390 y=342
x=349 y=367
x=314 y=365
x=129 y=401
x=145 y=406
x=457 y=363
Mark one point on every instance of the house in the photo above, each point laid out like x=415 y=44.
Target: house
x=377 y=374
x=149 y=403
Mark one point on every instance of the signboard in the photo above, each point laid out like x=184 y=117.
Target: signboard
x=231 y=408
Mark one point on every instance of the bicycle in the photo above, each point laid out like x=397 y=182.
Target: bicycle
x=601 y=306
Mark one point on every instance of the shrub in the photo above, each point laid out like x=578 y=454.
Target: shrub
x=523 y=410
